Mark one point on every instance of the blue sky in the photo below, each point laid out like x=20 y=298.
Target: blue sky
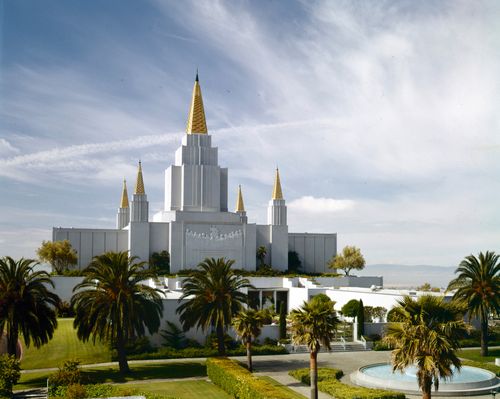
x=382 y=116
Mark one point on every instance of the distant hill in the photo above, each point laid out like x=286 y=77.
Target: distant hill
x=405 y=276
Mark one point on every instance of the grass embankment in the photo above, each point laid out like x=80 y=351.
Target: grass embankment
x=182 y=389
x=475 y=355
x=99 y=375
x=65 y=345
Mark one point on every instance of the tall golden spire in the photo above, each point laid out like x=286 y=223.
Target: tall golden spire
x=139 y=183
x=196 y=120
x=277 y=193
x=124 y=203
x=240 y=206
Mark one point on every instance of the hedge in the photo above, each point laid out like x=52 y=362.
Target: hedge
x=172 y=353
x=328 y=382
x=239 y=382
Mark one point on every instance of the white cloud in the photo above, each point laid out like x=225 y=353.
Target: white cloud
x=6 y=148
x=320 y=205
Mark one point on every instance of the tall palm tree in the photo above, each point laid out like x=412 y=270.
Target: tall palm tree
x=213 y=295
x=426 y=335
x=112 y=303
x=27 y=306
x=248 y=325
x=478 y=287
x=314 y=324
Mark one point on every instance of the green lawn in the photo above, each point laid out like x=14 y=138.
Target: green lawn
x=65 y=345
x=182 y=389
x=99 y=375
x=475 y=354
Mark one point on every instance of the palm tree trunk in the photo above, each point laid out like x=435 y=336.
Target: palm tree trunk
x=220 y=340
x=122 y=355
x=313 y=374
x=484 y=335
x=12 y=337
x=426 y=387
x=249 y=355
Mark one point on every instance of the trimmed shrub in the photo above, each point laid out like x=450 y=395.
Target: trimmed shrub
x=303 y=375
x=10 y=372
x=239 y=382
x=171 y=353
x=68 y=374
x=328 y=382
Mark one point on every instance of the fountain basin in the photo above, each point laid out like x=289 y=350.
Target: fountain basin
x=466 y=382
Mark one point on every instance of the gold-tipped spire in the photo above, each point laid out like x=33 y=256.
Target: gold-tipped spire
x=240 y=206
x=139 y=184
x=196 y=120
x=277 y=193
x=124 y=202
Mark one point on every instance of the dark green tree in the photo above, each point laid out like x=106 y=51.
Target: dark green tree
x=360 y=319
x=27 y=306
x=350 y=309
x=212 y=296
x=112 y=303
x=294 y=263
x=160 y=262
x=282 y=320
x=478 y=289
x=173 y=336
x=248 y=325
x=261 y=255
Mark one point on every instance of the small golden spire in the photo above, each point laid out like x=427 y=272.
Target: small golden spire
x=139 y=184
x=196 y=120
x=124 y=203
x=240 y=206
x=277 y=193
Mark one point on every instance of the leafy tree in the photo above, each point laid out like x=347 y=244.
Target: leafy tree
x=248 y=325
x=374 y=312
x=173 y=336
x=282 y=320
x=478 y=288
x=350 y=259
x=426 y=336
x=10 y=372
x=59 y=254
x=212 y=296
x=424 y=287
x=27 y=306
x=160 y=261
x=314 y=324
x=261 y=255
x=360 y=318
x=350 y=309
x=294 y=263
x=112 y=303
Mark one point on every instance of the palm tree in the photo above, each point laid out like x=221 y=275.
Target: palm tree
x=478 y=288
x=27 y=306
x=112 y=304
x=426 y=335
x=314 y=324
x=248 y=325
x=213 y=296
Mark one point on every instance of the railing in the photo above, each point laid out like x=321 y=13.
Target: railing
x=363 y=341
x=343 y=342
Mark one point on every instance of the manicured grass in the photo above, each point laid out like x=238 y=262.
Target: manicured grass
x=291 y=392
x=65 y=345
x=182 y=389
x=100 y=375
x=475 y=354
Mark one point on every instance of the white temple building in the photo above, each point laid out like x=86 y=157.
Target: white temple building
x=195 y=222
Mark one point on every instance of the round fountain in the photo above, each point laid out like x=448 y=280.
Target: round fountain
x=466 y=382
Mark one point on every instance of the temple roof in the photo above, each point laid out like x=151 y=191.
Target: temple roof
x=196 y=120
x=124 y=201
x=240 y=206
x=277 y=193
x=139 y=184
